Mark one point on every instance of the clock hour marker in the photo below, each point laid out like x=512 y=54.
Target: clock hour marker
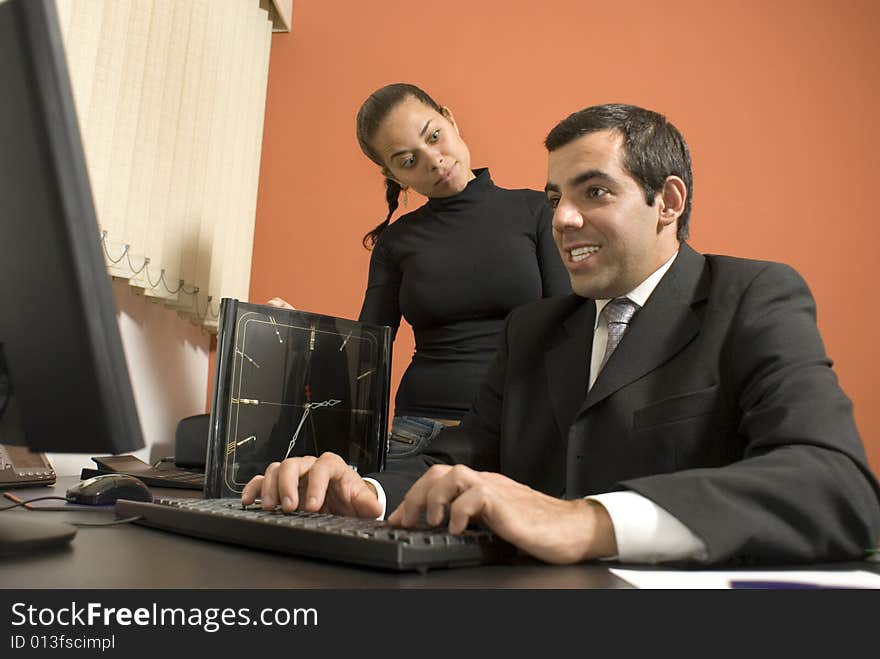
x=231 y=446
x=364 y=374
x=275 y=327
x=248 y=358
x=245 y=401
x=344 y=342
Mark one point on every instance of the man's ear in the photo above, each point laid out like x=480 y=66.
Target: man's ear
x=671 y=200
x=446 y=112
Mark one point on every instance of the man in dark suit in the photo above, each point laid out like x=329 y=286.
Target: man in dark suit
x=713 y=431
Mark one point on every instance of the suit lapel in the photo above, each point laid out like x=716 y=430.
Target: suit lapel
x=659 y=330
x=567 y=362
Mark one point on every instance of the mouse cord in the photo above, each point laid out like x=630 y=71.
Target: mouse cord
x=21 y=502
x=25 y=503
x=126 y=520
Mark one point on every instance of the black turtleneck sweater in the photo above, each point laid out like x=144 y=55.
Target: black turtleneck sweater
x=455 y=268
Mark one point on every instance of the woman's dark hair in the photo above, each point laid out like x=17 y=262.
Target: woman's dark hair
x=369 y=118
x=653 y=148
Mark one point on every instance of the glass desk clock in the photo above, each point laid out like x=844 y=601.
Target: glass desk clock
x=291 y=383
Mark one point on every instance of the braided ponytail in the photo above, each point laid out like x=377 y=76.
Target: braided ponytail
x=392 y=193
x=369 y=118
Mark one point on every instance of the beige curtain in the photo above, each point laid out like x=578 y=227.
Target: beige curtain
x=170 y=96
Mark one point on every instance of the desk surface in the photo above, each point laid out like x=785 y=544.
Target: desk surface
x=131 y=556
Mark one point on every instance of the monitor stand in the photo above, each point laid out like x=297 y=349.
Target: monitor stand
x=19 y=534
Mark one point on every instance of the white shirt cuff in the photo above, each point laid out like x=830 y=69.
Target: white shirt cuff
x=646 y=533
x=380 y=493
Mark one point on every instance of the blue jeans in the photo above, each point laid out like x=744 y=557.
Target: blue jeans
x=411 y=435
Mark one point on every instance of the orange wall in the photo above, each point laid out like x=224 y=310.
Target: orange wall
x=778 y=100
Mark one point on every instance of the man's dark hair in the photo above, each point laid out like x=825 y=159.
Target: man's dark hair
x=652 y=147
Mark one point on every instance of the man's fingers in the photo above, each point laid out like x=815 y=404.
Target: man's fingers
x=440 y=496
x=269 y=491
x=349 y=494
x=251 y=490
x=468 y=506
x=325 y=469
x=366 y=502
x=333 y=486
x=396 y=517
x=431 y=493
x=313 y=484
x=288 y=480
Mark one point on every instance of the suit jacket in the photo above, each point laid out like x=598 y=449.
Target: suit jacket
x=719 y=404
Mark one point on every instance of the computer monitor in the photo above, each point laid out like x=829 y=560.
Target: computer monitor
x=64 y=384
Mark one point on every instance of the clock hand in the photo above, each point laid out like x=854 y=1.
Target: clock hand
x=326 y=403
x=290 y=446
x=308 y=408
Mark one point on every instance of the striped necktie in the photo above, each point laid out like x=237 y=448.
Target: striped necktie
x=616 y=314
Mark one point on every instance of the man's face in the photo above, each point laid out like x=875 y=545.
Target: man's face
x=610 y=240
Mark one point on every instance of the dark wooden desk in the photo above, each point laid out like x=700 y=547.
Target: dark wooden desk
x=130 y=556
x=512 y=608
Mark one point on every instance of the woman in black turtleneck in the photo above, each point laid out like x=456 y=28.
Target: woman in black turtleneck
x=455 y=267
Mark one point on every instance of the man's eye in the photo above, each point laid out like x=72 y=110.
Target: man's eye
x=597 y=192
x=553 y=202
x=407 y=162
x=434 y=136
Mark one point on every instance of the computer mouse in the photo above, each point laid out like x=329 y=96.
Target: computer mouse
x=105 y=489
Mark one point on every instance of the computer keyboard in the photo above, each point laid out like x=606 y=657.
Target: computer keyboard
x=318 y=535
x=162 y=474
x=157 y=477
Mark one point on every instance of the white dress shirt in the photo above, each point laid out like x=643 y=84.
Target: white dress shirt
x=644 y=531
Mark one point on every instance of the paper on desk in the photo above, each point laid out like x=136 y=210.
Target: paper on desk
x=702 y=579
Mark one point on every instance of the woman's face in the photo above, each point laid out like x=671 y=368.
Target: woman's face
x=422 y=149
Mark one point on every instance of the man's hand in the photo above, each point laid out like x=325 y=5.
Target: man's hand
x=553 y=530
x=325 y=484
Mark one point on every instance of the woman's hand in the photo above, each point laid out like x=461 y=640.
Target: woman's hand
x=280 y=303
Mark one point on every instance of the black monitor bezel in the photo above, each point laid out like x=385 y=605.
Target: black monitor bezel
x=58 y=324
